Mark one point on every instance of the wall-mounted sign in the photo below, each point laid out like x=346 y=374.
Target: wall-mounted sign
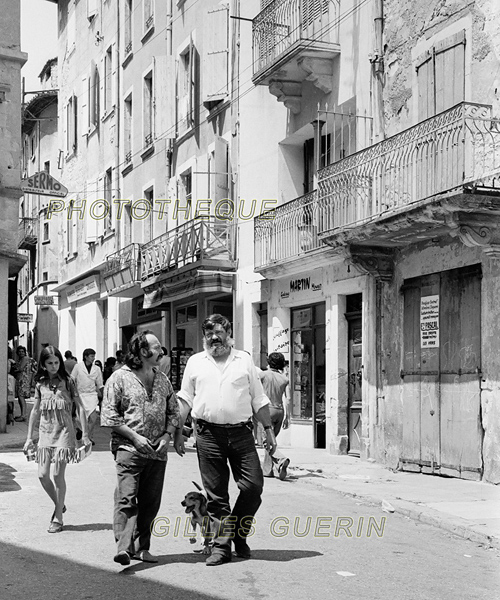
x=307 y=287
x=83 y=289
x=44 y=184
x=429 y=322
x=44 y=300
x=25 y=317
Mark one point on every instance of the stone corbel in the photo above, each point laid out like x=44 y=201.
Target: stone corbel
x=378 y=262
x=288 y=92
x=486 y=238
x=319 y=72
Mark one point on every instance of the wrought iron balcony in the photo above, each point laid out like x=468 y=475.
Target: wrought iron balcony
x=287 y=232
x=149 y=22
x=200 y=242
x=148 y=140
x=448 y=154
x=285 y=28
x=122 y=274
x=28 y=233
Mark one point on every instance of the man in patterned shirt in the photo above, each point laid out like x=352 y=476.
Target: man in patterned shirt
x=141 y=408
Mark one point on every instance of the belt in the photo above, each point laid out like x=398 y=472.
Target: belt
x=225 y=425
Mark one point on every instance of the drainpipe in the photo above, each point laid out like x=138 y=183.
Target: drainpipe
x=169 y=147
x=377 y=61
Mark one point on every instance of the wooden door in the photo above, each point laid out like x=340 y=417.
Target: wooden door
x=441 y=374
x=354 y=398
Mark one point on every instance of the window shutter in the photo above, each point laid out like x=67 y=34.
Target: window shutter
x=85 y=106
x=216 y=53
x=221 y=175
x=450 y=71
x=91 y=9
x=164 y=96
x=74 y=126
x=192 y=84
x=100 y=223
x=90 y=223
x=101 y=95
x=114 y=75
x=425 y=82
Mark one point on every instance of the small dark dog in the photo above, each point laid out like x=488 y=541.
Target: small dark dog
x=195 y=504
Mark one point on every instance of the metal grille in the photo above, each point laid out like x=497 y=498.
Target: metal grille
x=456 y=147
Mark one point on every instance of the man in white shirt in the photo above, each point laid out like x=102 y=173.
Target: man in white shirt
x=222 y=390
x=88 y=380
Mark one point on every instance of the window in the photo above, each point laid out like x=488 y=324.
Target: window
x=46 y=231
x=46 y=166
x=186 y=87
x=108 y=196
x=148 y=14
x=45 y=277
x=108 y=80
x=185 y=199
x=128 y=27
x=94 y=98
x=148 y=221
x=310 y=161
x=127 y=134
x=71 y=233
x=91 y=9
x=71 y=126
x=33 y=145
x=148 y=109
x=437 y=91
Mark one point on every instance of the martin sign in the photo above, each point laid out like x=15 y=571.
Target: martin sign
x=43 y=183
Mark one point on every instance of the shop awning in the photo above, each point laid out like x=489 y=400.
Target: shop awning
x=199 y=282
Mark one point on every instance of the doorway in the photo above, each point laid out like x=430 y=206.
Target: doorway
x=441 y=375
x=355 y=372
x=308 y=369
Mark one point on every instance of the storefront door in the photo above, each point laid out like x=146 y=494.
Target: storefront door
x=307 y=370
x=441 y=373
x=354 y=396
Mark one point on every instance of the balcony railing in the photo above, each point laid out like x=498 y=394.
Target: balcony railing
x=149 y=22
x=128 y=48
x=148 y=140
x=287 y=232
x=456 y=147
x=286 y=23
x=28 y=232
x=123 y=269
x=192 y=242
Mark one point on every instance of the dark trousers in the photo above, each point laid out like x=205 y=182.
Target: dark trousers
x=218 y=449
x=137 y=499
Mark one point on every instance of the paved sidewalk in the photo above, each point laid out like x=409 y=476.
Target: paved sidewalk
x=468 y=509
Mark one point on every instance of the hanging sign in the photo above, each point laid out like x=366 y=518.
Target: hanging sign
x=429 y=322
x=44 y=184
x=25 y=317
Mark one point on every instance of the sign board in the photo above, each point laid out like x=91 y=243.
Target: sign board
x=302 y=288
x=429 y=322
x=44 y=300
x=25 y=318
x=83 y=289
x=44 y=184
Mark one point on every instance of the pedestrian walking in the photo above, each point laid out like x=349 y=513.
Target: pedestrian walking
x=142 y=411
x=55 y=394
x=88 y=379
x=25 y=369
x=222 y=390
x=69 y=361
x=275 y=385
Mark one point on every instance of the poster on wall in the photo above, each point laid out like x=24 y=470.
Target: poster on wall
x=429 y=322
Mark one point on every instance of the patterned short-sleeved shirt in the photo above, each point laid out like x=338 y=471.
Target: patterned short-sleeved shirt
x=126 y=402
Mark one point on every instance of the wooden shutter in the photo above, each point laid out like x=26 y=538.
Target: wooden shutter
x=164 y=96
x=114 y=75
x=449 y=76
x=221 y=169
x=192 y=84
x=216 y=53
x=90 y=223
x=85 y=106
x=426 y=88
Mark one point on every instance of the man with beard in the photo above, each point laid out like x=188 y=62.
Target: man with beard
x=222 y=389
x=141 y=408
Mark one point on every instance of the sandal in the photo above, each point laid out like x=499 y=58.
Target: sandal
x=55 y=527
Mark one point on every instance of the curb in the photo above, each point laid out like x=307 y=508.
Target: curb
x=405 y=508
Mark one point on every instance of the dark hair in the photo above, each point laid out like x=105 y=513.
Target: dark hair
x=164 y=350
x=98 y=363
x=136 y=344
x=68 y=354
x=276 y=360
x=110 y=361
x=120 y=353
x=216 y=319
x=87 y=352
x=46 y=353
x=19 y=348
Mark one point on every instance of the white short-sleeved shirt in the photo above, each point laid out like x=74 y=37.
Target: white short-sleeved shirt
x=230 y=395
